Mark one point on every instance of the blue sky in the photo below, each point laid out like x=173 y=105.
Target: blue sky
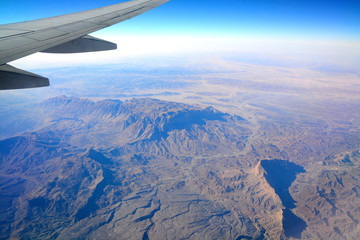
x=311 y=19
x=309 y=30
x=286 y=32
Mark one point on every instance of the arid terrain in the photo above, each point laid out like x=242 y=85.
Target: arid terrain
x=233 y=152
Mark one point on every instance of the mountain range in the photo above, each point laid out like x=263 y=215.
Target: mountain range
x=153 y=169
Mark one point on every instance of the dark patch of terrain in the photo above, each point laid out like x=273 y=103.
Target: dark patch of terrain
x=280 y=175
x=99 y=157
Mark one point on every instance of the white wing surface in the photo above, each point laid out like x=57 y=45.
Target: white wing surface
x=61 y=34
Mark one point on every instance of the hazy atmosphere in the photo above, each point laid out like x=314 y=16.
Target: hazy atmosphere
x=233 y=119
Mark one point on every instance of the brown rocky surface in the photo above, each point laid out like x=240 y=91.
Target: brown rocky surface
x=151 y=169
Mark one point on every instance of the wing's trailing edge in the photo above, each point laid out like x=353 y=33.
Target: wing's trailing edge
x=61 y=34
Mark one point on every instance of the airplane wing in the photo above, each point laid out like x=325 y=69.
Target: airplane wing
x=61 y=34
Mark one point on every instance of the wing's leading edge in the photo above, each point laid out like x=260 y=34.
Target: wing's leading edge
x=61 y=34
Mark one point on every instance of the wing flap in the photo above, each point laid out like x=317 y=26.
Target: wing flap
x=71 y=28
x=46 y=35
x=8 y=44
x=14 y=78
x=5 y=33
